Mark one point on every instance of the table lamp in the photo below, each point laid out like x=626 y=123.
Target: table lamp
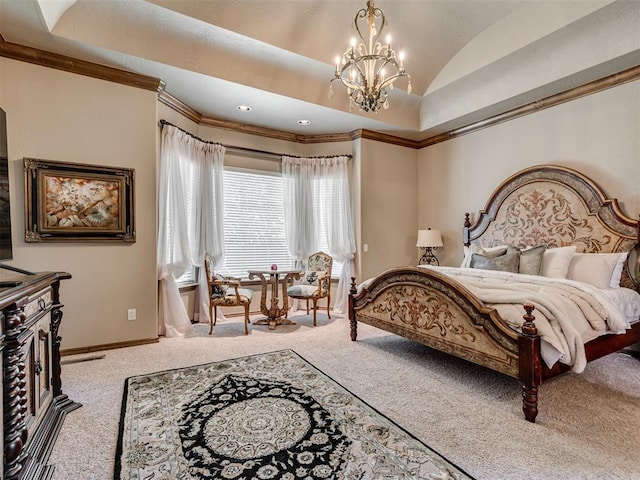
x=430 y=240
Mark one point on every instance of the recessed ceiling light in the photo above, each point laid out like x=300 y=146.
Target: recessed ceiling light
x=243 y=108
x=304 y=123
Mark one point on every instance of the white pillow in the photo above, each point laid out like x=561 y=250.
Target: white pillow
x=555 y=261
x=617 y=271
x=490 y=252
x=597 y=269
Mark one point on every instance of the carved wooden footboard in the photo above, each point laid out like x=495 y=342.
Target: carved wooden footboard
x=549 y=205
x=435 y=310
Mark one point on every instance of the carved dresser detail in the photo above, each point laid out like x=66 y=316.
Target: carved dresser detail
x=32 y=400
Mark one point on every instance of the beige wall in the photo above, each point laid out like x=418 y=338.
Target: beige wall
x=60 y=116
x=597 y=135
x=388 y=214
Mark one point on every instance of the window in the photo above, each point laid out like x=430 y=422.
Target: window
x=254 y=231
x=253 y=222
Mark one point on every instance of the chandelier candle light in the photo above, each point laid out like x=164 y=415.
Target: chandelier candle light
x=369 y=68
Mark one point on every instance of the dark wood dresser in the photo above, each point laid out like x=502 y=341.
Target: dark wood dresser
x=33 y=404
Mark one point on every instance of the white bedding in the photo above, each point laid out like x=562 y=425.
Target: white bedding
x=568 y=313
x=628 y=300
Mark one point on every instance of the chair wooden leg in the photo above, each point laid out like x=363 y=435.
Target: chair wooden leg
x=329 y=305
x=212 y=314
x=246 y=319
x=307 y=306
x=315 y=310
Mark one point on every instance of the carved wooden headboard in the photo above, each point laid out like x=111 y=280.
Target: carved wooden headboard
x=556 y=206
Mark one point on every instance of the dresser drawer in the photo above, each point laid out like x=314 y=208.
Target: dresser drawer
x=38 y=303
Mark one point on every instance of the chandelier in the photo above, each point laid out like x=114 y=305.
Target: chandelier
x=368 y=68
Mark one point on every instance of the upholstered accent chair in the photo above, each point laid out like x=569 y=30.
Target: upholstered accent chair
x=315 y=282
x=225 y=292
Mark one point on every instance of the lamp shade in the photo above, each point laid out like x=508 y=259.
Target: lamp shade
x=429 y=238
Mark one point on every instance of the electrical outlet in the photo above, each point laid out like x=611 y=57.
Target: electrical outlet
x=131 y=314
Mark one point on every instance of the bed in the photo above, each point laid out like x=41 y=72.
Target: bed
x=547 y=206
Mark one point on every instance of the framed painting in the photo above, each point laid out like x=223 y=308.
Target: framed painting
x=79 y=203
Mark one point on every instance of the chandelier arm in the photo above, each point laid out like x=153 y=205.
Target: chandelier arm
x=349 y=83
x=390 y=80
x=346 y=81
x=370 y=13
x=362 y=13
x=385 y=62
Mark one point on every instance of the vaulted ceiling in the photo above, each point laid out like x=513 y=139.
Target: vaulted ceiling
x=468 y=59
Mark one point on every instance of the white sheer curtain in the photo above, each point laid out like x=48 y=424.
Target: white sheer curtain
x=326 y=179
x=299 y=213
x=190 y=222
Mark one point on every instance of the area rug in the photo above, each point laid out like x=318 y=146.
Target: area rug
x=267 y=416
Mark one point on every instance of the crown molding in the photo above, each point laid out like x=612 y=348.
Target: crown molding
x=82 y=67
x=386 y=138
x=74 y=65
x=574 y=93
x=277 y=134
x=179 y=106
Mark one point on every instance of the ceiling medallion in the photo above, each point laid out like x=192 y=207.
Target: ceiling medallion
x=369 y=68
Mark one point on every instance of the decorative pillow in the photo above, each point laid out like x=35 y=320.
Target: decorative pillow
x=504 y=263
x=596 y=269
x=531 y=260
x=555 y=261
x=489 y=252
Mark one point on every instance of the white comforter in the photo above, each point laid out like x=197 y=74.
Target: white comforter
x=568 y=313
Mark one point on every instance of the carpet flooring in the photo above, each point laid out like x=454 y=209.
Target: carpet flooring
x=587 y=427
x=265 y=416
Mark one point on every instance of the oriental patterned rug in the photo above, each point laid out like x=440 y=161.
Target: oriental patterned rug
x=268 y=416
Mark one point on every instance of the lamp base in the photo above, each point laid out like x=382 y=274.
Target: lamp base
x=428 y=258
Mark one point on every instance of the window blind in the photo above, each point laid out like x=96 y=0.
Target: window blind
x=254 y=230
x=253 y=222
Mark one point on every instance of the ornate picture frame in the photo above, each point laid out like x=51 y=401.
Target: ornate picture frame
x=72 y=202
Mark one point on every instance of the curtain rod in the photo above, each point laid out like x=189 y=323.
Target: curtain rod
x=162 y=123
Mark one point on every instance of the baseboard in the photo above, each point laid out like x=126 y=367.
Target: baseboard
x=107 y=346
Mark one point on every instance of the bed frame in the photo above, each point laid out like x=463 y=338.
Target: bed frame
x=545 y=204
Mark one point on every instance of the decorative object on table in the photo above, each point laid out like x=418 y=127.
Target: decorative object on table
x=369 y=68
x=225 y=292
x=430 y=240
x=275 y=314
x=75 y=202
x=315 y=283
x=274 y=266
x=272 y=415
